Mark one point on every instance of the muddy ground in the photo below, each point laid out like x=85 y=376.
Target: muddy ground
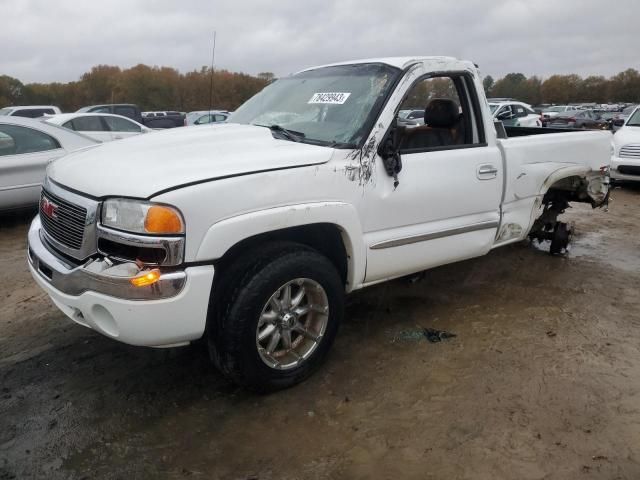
x=542 y=380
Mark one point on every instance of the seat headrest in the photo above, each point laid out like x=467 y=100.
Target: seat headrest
x=441 y=113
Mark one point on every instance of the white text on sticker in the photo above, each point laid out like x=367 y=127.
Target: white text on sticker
x=335 y=98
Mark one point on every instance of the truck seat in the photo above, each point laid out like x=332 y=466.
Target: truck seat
x=441 y=124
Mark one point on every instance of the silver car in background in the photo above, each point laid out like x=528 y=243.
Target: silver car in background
x=27 y=146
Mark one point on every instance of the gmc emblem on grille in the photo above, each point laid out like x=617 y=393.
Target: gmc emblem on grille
x=48 y=208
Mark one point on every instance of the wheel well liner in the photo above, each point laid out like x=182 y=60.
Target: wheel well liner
x=326 y=238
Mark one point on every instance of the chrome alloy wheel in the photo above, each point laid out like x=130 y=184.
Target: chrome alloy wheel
x=292 y=323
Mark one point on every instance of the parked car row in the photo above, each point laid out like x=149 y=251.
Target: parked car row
x=585 y=119
x=154 y=120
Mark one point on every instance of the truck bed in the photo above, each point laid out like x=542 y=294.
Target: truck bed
x=527 y=131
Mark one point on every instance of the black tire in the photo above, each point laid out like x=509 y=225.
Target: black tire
x=245 y=288
x=561 y=238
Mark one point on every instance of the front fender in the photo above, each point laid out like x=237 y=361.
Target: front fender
x=226 y=233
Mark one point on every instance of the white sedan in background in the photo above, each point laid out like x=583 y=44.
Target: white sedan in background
x=27 y=146
x=515 y=114
x=625 y=164
x=103 y=127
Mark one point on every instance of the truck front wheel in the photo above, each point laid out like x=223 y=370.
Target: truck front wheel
x=279 y=318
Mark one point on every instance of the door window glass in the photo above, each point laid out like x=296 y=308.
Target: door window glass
x=204 y=119
x=15 y=140
x=446 y=109
x=121 y=125
x=88 y=124
x=519 y=110
x=125 y=111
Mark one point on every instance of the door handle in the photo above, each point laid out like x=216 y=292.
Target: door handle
x=487 y=172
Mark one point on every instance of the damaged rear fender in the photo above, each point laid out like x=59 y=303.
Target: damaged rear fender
x=582 y=184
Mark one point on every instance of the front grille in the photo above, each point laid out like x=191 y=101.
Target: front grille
x=64 y=222
x=630 y=151
x=629 y=170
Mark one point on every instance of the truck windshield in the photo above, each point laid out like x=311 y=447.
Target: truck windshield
x=326 y=106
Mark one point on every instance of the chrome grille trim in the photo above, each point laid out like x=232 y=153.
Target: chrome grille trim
x=67 y=226
x=73 y=232
x=631 y=150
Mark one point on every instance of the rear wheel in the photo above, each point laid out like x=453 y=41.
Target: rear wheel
x=278 y=317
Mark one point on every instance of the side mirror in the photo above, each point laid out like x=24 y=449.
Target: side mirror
x=389 y=151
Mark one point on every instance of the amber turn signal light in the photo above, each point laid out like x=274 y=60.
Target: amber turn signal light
x=146 y=278
x=161 y=219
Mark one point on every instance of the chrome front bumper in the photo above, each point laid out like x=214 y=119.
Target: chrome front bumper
x=96 y=275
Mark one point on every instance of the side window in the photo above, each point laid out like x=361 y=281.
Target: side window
x=100 y=110
x=125 y=111
x=23 y=113
x=15 y=140
x=88 y=124
x=121 y=125
x=220 y=118
x=519 y=110
x=7 y=144
x=450 y=114
x=505 y=113
x=69 y=125
x=204 y=119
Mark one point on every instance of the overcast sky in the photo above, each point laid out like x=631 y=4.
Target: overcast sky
x=58 y=40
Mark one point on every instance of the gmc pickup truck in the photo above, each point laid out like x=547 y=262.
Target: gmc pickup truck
x=313 y=189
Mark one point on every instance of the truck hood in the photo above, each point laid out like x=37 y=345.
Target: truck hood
x=144 y=165
x=627 y=135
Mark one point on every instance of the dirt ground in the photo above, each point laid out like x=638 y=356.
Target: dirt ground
x=541 y=382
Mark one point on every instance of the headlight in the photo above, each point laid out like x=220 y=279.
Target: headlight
x=139 y=216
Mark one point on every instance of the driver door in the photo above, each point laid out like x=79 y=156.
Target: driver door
x=446 y=206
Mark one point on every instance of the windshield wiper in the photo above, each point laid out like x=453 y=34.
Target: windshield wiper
x=284 y=132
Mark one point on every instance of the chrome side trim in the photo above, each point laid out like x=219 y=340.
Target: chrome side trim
x=16 y=187
x=93 y=275
x=172 y=246
x=397 y=242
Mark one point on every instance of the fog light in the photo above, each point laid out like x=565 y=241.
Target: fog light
x=146 y=278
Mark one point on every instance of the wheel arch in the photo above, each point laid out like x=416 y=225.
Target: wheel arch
x=331 y=228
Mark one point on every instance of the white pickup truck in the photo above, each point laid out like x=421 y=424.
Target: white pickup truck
x=249 y=234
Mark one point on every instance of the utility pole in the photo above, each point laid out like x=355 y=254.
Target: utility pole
x=213 y=58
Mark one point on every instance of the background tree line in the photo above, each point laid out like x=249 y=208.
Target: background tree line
x=164 y=88
x=559 y=89
x=152 y=88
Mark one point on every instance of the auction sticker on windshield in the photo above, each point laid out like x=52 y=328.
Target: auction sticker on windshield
x=334 y=98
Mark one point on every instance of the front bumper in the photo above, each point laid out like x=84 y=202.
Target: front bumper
x=100 y=296
x=630 y=169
